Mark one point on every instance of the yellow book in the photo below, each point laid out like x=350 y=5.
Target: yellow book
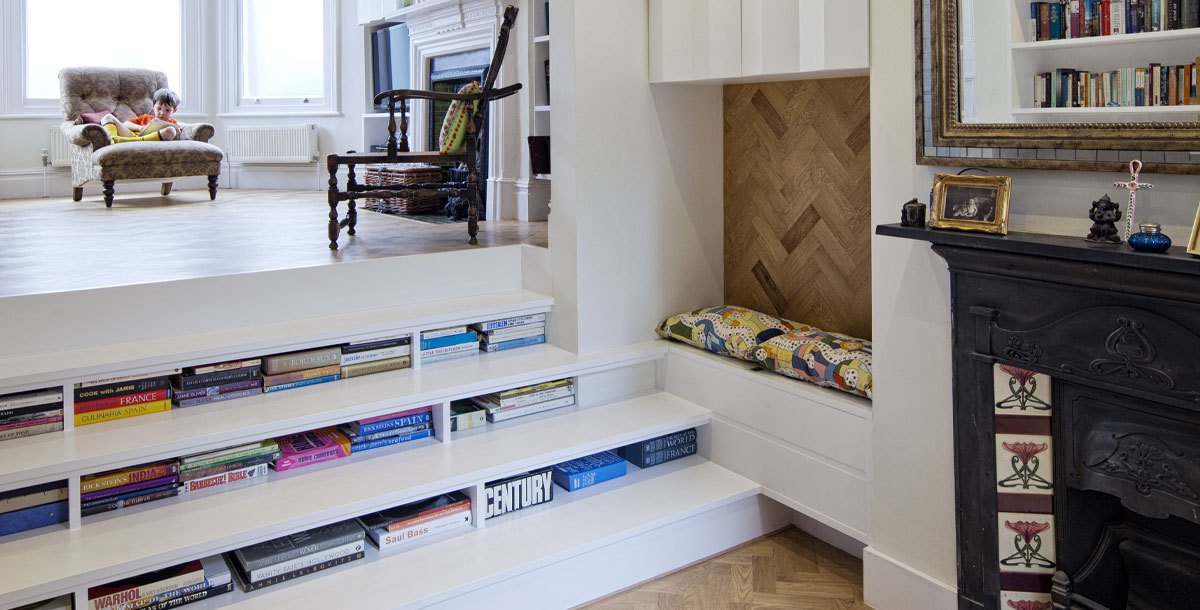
x=95 y=417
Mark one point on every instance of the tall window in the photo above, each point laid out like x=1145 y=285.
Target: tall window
x=285 y=56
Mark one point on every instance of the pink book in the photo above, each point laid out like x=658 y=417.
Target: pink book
x=312 y=447
x=371 y=420
x=32 y=422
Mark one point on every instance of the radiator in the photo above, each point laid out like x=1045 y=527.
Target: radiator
x=273 y=144
x=60 y=155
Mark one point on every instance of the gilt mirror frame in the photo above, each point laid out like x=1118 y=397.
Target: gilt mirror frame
x=943 y=139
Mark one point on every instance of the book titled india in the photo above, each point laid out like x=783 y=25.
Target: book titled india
x=125 y=500
x=123 y=489
x=503 y=345
x=636 y=452
x=390 y=440
x=216 y=378
x=312 y=447
x=215 y=390
x=299 y=544
x=204 y=400
x=386 y=353
x=33 y=517
x=218 y=468
x=516 y=492
x=298 y=361
x=125 y=476
x=466 y=337
x=420 y=417
x=95 y=417
x=375 y=344
x=376 y=366
x=122 y=400
x=588 y=470
x=150 y=584
x=245 y=363
x=300 y=384
x=509 y=322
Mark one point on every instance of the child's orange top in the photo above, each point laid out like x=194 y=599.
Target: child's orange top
x=146 y=118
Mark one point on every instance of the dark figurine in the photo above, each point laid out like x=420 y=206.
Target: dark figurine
x=912 y=214
x=1104 y=214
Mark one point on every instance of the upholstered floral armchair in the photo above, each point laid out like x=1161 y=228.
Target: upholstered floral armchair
x=126 y=92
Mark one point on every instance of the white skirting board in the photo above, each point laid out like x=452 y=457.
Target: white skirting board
x=889 y=584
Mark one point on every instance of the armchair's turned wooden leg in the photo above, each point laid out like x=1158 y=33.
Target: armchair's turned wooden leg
x=212 y=187
x=166 y=188
x=332 y=164
x=108 y=192
x=351 y=213
x=77 y=194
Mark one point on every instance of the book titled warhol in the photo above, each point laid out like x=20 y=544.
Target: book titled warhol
x=312 y=447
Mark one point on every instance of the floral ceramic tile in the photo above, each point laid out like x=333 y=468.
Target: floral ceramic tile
x=1019 y=600
x=1020 y=392
x=1024 y=464
x=1026 y=544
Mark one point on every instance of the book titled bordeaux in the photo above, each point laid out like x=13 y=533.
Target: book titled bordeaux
x=294 y=546
x=306 y=359
x=517 y=492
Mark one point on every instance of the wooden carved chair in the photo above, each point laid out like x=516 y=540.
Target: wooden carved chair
x=397 y=150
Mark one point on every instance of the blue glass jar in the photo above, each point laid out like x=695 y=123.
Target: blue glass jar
x=1150 y=238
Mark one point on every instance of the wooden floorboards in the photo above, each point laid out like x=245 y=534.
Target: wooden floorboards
x=788 y=569
x=56 y=244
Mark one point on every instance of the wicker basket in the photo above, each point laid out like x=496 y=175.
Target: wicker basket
x=404 y=173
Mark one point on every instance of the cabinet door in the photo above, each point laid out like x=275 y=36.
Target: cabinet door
x=693 y=40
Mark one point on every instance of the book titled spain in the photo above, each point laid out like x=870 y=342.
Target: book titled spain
x=305 y=359
x=300 y=384
x=312 y=447
x=400 y=419
x=362 y=438
x=95 y=417
x=588 y=470
x=637 y=452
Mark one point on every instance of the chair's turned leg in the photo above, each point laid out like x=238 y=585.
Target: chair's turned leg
x=166 y=188
x=212 y=187
x=108 y=192
x=77 y=194
x=332 y=164
x=351 y=213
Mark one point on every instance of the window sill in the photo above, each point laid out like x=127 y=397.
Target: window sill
x=278 y=113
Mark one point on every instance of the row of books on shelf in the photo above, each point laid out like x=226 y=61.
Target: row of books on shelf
x=101 y=400
x=1088 y=18
x=303 y=553
x=1155 y=85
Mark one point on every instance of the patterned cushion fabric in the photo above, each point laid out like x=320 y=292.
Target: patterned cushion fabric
x=728 y=330
x=824 y=358
x=94 y=117
x=454 y=127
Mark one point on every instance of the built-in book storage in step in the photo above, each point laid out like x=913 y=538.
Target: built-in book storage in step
x=491 y=430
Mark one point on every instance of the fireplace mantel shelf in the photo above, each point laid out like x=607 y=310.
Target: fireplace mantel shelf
x=1176 y=260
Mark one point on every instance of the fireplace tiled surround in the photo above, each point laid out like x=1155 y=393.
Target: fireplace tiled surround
x=1076 y=422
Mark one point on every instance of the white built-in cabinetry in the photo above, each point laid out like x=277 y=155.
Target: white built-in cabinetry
x=726 y=40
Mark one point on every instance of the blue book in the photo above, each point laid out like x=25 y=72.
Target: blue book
x=503 y=345
x=390 y=424
x=1055 y=21
x=33 y=517
x=588 y=470
x=466 y=337
x=532 y=318
x=301 y=383
x=390 y=440
x=637 y=452
x=131 y=494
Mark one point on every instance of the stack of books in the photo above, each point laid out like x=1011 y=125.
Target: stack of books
x=113 y=489
x=390 y=429
x=199 y=385
x=588 y=470
x=398 y=526
x=660 y=449
x=519 y=491
x=225 y=466
x=32 y=412
x=166 y=588
x=102 y=400
x=446 y=343
x=375 y=356
x=33 y=507
x=465 y=415
x=295 y=555
x=298 y=369
x=527 y=400
x=508 y=333
x=59 y=603
x=312 y=447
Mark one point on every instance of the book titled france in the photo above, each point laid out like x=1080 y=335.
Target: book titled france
x=660 y=449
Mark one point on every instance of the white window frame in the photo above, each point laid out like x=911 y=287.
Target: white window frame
x=15 y=104
x=232 y=105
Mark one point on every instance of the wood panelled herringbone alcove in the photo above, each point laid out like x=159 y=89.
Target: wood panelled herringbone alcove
x=798 y=201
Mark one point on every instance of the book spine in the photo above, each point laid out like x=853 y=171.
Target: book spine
x=163 y=598
x=218 y=378
x=95 y=417
x=104 y=507
x=635 y=451
x=218 y=389
x=129 y=475
x=30 y=430
x=1055 y=21
x=466 y=421
x=388 y=424
x=208 y=471
x=362 y=438
x=522 y=491
x=123 y=400
x=378 y=366
x=300 y=384
x=124 y=489
x=404 y=413
x=27 y=414
x=368 y=346
x=298 y=361
x=126 y=378
x=451 y=355
x=298 y=563
x=223 y=366
x=1174 y=12
x=387 y=539
x=391 y=440
x=1033 y=17
x=195 y=402
x=224 y=478
x=84 y=395
x=308 y=459
x=519 y=332
x=496 y=347
x=33 y=422
x=221 y=458
x=296 y=548
x=35 y=496
x=499 y=416
x=432 y=515
x=21 y=401
x=537 y=387
x=467 y=337
x=666 y=455
x=450 y=349
x=33 y=517
x=1105 y=18
x=106 y=600
x=529 y=399
x=1117 y=12
x=192 y=597
x=578 y=480
x=254 y=586
x=294 y=376
x=510 y=322
x=444 y=332
x=1043 y=21
x=374 y=355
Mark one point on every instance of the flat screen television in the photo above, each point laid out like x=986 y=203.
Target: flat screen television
x=389 y=60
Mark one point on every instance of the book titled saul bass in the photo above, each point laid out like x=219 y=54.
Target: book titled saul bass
x=661 y=449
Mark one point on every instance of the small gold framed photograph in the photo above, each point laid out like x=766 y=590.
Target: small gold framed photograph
x=970 y=203
x=1193 y=246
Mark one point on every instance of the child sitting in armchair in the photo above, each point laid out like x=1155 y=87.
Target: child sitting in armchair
x=165 y=103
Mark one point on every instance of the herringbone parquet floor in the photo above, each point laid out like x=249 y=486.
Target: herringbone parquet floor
x=785 y=570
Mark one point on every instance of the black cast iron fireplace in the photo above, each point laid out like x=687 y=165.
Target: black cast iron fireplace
x=1076 y=422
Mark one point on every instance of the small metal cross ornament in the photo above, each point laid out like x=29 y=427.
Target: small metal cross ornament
x=1133 y=186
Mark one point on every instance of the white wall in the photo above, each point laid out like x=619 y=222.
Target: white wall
x=912 y=523
x=636 y=216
